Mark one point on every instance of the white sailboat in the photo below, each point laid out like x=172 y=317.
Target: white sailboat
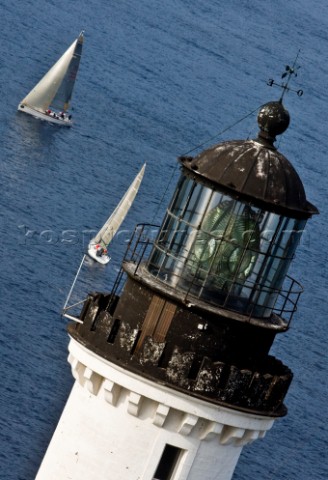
x=49 y=99
x=97 y=248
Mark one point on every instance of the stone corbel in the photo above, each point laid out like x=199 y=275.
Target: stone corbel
x=112 y=392
x=161 y=415
x=231 y=435
x=210 y=430
x=92 y=381
x=134 y=403
x=187 y=424
x=77 y=369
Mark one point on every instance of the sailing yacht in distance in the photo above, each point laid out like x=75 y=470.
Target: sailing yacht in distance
x=50 y=98
x=97 y=248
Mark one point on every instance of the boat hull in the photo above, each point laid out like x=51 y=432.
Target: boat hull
x=66 y=122
x=92 y=252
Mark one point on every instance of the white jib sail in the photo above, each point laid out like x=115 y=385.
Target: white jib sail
x=41 y=96
x=113 y=223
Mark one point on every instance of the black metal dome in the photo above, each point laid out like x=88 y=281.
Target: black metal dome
x=254 y=169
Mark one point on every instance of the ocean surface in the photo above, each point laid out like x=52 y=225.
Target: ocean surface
x=156 y=80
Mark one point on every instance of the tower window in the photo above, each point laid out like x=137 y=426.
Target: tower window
x=168 y=463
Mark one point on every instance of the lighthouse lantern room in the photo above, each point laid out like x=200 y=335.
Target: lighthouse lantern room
x=172 y=365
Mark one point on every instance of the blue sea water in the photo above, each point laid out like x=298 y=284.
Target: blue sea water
x=156 y=79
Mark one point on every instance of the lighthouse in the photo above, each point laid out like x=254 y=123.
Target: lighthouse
x=172 y=365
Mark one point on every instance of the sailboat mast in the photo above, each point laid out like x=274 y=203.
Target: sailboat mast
x=64 y=93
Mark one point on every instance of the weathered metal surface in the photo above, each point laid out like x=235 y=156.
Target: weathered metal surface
x=255 y=170
x=226 y=363
x=151 y=352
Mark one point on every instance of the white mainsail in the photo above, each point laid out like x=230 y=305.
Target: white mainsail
x=107 y=232
x=57 y=84
x=103 y=238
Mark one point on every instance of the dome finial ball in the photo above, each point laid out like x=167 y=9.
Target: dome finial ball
x=273 y=119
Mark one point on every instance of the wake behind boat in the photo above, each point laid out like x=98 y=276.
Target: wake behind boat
x=49 y=100
x=97 y=248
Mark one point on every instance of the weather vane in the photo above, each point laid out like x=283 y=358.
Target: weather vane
x=289 y=72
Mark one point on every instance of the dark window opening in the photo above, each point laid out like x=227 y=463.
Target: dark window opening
x=165 y=357
x=94 y=324
x=114 y=331
x=167 y=463
x=135 y=343
x=194 y=369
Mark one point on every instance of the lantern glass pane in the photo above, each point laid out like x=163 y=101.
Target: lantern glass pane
x=224 y=251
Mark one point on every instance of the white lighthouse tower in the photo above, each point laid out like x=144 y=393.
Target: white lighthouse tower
x=172 y=369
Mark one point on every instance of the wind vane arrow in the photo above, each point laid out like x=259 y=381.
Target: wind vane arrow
x=289 y=72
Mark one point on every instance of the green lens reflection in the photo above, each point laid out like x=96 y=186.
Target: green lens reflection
x=225 y=248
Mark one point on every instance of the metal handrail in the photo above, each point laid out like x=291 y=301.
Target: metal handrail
x=286 y=297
